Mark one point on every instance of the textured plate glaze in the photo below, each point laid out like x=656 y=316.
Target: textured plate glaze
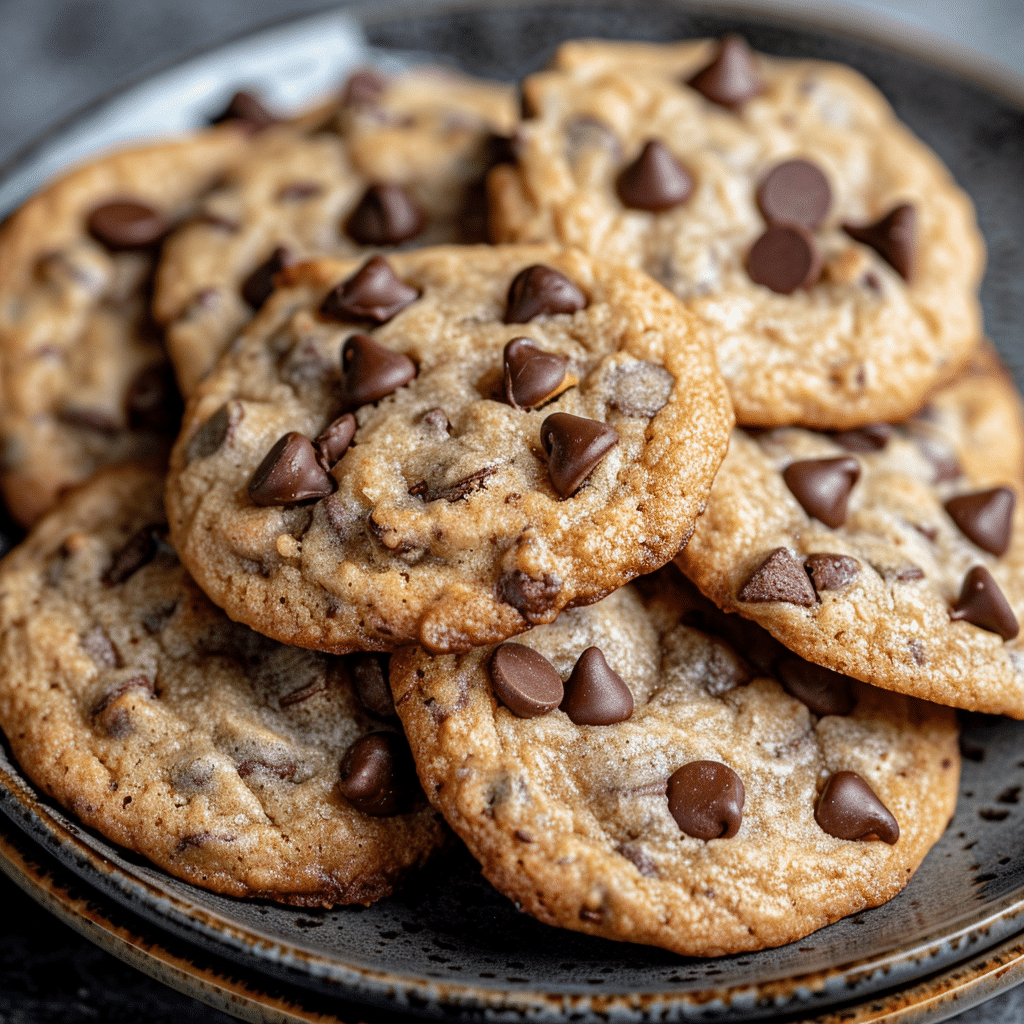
x=449 y=945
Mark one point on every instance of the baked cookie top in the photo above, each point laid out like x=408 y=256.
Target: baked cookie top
x=84 y=375
x=231 y=761
x=719 y=816
x=894 y=554
x=398 y=161
x=527 y=430
x=832 y=253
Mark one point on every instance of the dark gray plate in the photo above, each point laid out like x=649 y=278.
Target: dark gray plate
x=448 y=945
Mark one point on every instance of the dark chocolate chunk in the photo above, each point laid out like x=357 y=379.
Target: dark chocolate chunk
x=595 y=694
x=539 y=291
x=364 y=89
x=533 y=598
x=982 y=604
x=374 y=292
x=780 y=577
x=140 y=550
x=871 y=438
x=822 y=486
x=245 y=107
x=259 y=285
x=97 y=420
x=784 y=259
x=849 y=809
x=377 y=776
x=655 y=181
x=531 y=375
x=220 y=427
x=386 y=215
x=985 y=517
x=525 y=681
x=454 y=492
x=892 y=238
x=127 y=225
x=731 y=78
x=575 y=445
x=290 y=474
x=823 y=691
x=152 y=402
x=370 y=676
x=369 y=371
x=706 y=799
x=831 y=572
x=332 y=442
x=795 y=192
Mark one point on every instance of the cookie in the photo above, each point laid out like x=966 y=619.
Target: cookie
x=231 y=761
x=84 y=374
x=398 y=162
x=621 y=773
x=894 y=554
x=444 y=447
x=781 y=200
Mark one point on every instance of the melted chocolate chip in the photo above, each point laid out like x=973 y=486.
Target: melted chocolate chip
x=220 y=427
x=364 y=89
x=706 y=799
x=370 y=676
x=823 y=691
x=831 y=572
x=849 y=809
x=152 y=402
x=245 y=107
x=97 y=420
x=289 y=474
x=595 y=694
x=780 y=577
x=985 y=517
x=575 y=445
x=982 y=604
x=525 y=681
x=126 y=225
x=377 y=775
x=871 y=438
x=140 y=550
x=539 y=291
x=285 y=770
x=655 y=181
x=532 y=376
x=823 y=486
x=784 y=259
x=370 y=372
x=795 y=192
x=374 y=292
x=731 y=78
x=892 y=238
x=119 y=689
x=386 y=215
x=332 y=442
x=457 y=491
x=259 y=285
x=532 y=598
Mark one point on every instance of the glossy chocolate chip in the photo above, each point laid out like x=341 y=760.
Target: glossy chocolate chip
x=706 y=799
x=731 y=78
x=655 y=181
x=784 y=259
x=525 y=681
x=831 y=572
x=377 y=776
x=259 y=285
x=289 y=474
x=531 y=375
x=152 y=401
x=386 y=215
x=780 y=577
x=849 y=809
x=370 y=677
x=595 y=693
x=823 y=486
x=332 y=442
x=795 y=192
x=533 y=598
x=823 y=691
x=575 y=445
x=540 y=291
x=871 y=438
x=140 y=550
x=374 y=292
x=985 y=517
x=127 y=225
x=369 y=371
x=246 y=108
x=892 y=238
x=982 y=604
x=364 y=89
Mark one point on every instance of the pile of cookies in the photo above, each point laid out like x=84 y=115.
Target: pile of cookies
x=622 y=485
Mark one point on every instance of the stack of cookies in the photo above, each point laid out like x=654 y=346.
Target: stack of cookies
x=625 y=488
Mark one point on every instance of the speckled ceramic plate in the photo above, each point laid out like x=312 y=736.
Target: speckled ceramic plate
x=449 y=946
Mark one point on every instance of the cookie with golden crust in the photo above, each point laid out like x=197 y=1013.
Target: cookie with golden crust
x=708 y=821
x=893 y=554
x=236 y=763
x=781 y=200
x=398 y=161
x=527 y=430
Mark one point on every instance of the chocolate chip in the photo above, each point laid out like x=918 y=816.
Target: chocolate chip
x=706 y=799
x=892 y=238
x=525 y=681
x=533 y=598
x=655 y=181
x=538 y=291
x=152 y=401
x=463 y=488
x=985 y=517
x=795 y=192
x=532 y=376
x=377 y=775
x=871 y=438
x=220 y=427
x=594 y=693
x=299 y=191
x=982 y=604
x=140 y=550
x=831 y=572
x=364 y=89
x=849 y=809
x=289 y=474
x=780 y=577
x=97 y=420
x=370 y=677
x=245 y=107
x=333 y=441
x=259 y=285
x=731 y=78
x=386 y=215
x=374 y=292
x=126 y=225
x=370 y=372
x=118 y=725
x=784 y=259
x=823 y=691
x=575 y=445
x=909 y=573
x=822 y=486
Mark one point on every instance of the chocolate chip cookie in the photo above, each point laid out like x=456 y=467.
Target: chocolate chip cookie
x=831 y=252
x=445 y=446
x=622 y=773
x=231 y=761
x=399 y=161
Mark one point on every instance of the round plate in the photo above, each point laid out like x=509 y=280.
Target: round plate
x=448 y=945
